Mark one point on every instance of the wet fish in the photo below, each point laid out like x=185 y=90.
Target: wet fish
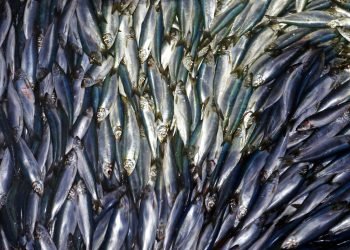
x=162 y=124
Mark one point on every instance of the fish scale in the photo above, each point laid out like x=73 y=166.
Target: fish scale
x=165 y=124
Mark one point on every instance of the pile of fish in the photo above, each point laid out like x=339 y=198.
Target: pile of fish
x=187 y=124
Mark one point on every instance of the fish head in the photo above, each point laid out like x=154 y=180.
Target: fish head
x=71 y=158
x=108 y=40
x=80 y=188
x=129 y=166
x=107 y=169
x=101 y=114
x=87 y=81
x=143 y=54
x=242 y=211
x=305 y=125
x=162 y=132
x=117 y=131
x=161 y=230
x=210 y=202
x=72 y=193
x=39 y=232
x=3 y=200
x=95 y=57
x=38 y=187
x=290 y=243
x=77 y=143
x=78 y=73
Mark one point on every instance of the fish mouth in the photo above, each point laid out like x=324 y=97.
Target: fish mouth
x=108 y=40
x=40 y=41
x=38 y=233
x=3 y=200
x=41 y=73
x=306 y=125
x=101 y=114
x=161 y=231
x=70 y=158
x=143 y=54
x=95 y=58
x=77 y=143
x=129 y=166
x=80 y=188
x=61 y=40
x=162 y=132
x=107 y=169
x=72 y=194
x=290 y=243
x=87 y=81
x=38 y=188
x=210 y=202
x=242 y=211
x=117 y=131
x=258 y=81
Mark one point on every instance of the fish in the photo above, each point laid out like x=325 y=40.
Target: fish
x=157 y=124
x=65 y=183
x=302 y=232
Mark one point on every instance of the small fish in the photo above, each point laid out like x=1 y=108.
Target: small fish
x=65 y=183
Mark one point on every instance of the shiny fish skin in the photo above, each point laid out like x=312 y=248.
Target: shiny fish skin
x=84 y=213
x=131 y=139
x=289 y=184
x=7 y=170
x=210 y=125
x=27 y=98
x=323 y=117
x=182 y=114
x=267 y=73
x=108 y=96
x=6 y=17
x=65 y=183
x=169 y=175
x=189 y=231
x=63 y=25
x=165 y=124
x=110 y=26
x=43 y=238
x=66 y=221
x=148 y=218
x=15 y=114
x=313 y=19
x=311 y=98
x=313 y=199
x=227 y=16
x=10 y=52
x=101 y=228
x=106 y=150
x=63 y=91
x=323 y=149
x=48 y=51
x=302 y=232
x=85 y=170
x=30 y=166
x=73 y=39
x=30 y=59
x=337 y=96
x=300 y=5
x=265 y=196
x=247 y=190
x=149 y=123
x=90 y=37
x=119 y=223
